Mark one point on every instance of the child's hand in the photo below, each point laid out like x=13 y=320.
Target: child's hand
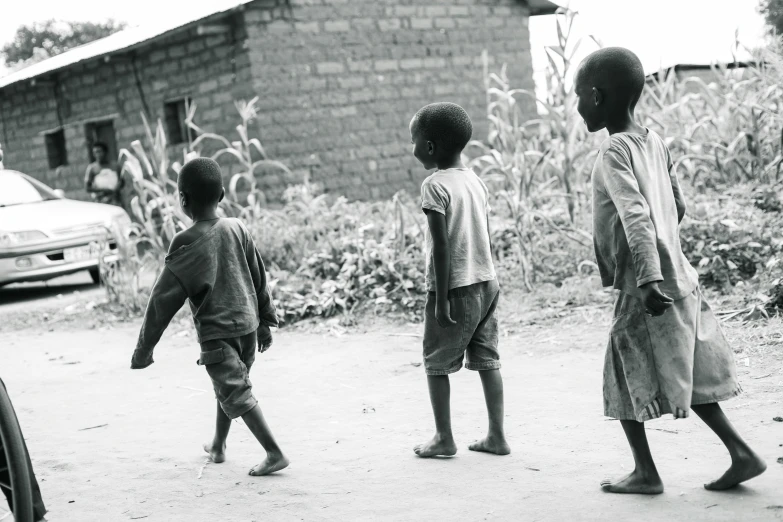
x=264 y=338
x=264 y=346
x=443 y=314
x=655 y=302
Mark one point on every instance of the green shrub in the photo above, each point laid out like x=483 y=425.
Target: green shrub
x=326 y=256
x=729 y=240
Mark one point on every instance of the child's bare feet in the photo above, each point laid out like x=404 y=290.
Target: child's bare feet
x=437 y=446
x=743 y=468
x=635 y=482
x=216 y=453
x=272 y=463
x=491 y=444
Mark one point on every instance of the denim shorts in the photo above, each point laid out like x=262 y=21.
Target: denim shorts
x=474 y=337
x=228 y=363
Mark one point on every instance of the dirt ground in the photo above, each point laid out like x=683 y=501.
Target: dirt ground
x=113 y=444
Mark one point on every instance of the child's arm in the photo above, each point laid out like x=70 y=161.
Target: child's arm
x=442 y=261
x=267 y=314
x=166 y=299
x=434 y=201
x=679 y=199
x=623 y=189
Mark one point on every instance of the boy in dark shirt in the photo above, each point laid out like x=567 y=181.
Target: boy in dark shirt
x=216 y=267
x=666 y=352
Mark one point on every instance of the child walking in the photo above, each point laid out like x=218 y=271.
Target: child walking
x=666 y=351
x=216 y=267
x=460 y=318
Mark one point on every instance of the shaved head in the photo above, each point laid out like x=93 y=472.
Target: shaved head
x=202 y=181
x=446 y=124
x=615 y=71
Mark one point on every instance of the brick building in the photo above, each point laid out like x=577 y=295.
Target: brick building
x=338 y=81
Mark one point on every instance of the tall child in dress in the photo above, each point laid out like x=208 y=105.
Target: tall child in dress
x=666 y=353
x=460 y=320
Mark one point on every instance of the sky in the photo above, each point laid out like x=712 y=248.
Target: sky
x=660 y=32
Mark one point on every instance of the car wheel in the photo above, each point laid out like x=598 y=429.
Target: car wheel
x=95 y=274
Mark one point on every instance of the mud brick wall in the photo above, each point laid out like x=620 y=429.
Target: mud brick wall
x=212 y=70
x=337 y=81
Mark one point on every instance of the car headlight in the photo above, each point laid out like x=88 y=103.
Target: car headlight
x=8 y=239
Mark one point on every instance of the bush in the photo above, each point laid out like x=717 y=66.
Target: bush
x=333 y=257
x=728 y=240
x=325 y=256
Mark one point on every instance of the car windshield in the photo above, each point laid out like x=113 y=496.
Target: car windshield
x=18 y=189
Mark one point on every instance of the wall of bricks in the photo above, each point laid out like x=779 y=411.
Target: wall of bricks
x=337 y=80
x=212 y=70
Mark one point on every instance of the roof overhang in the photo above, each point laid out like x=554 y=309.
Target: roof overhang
x=129 y=39
x=542 y=7
x=685 y=67
x=123 y=41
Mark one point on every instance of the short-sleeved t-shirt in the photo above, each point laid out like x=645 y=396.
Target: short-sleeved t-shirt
x=461 y=196
x=635 y=219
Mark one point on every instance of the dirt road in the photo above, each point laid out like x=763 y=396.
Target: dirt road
x=112 y=444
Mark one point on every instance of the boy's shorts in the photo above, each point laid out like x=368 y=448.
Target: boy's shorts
x=474 y=337
x=666 y=364
x=228 y=362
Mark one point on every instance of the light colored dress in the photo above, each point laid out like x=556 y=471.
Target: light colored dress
x=654 y=365
x=666 y=364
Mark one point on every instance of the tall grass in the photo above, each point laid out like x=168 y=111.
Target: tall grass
x=726 y=129
x=537 y=168
x=326 y=255
x=722 y=131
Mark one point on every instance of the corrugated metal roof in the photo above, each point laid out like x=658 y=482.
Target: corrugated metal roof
x=542 y=7
x=134 y=36
x=121 y=40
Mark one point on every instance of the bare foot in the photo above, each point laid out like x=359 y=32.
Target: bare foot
x=635 y=482
x=491 y=444
x=217 y=455
x=743 y=468
x=437 y=446
x=271 y=464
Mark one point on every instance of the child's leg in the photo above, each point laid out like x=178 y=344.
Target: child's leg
x=275 y=460
x=443 y=441
x=745 y=464
x=644 y=478
x=495 y=442
x=217 y=448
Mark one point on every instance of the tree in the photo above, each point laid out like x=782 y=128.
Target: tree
x=773 y=14
x=46 y=39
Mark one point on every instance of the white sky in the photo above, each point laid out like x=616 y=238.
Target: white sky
x=660 y=32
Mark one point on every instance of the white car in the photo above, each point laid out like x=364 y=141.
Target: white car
x=44 y=235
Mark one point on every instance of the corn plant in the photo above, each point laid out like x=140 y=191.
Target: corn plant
x=128 y=281
x=724 y=130
x=248 y=152
x=532 y=164
x=155 y=205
